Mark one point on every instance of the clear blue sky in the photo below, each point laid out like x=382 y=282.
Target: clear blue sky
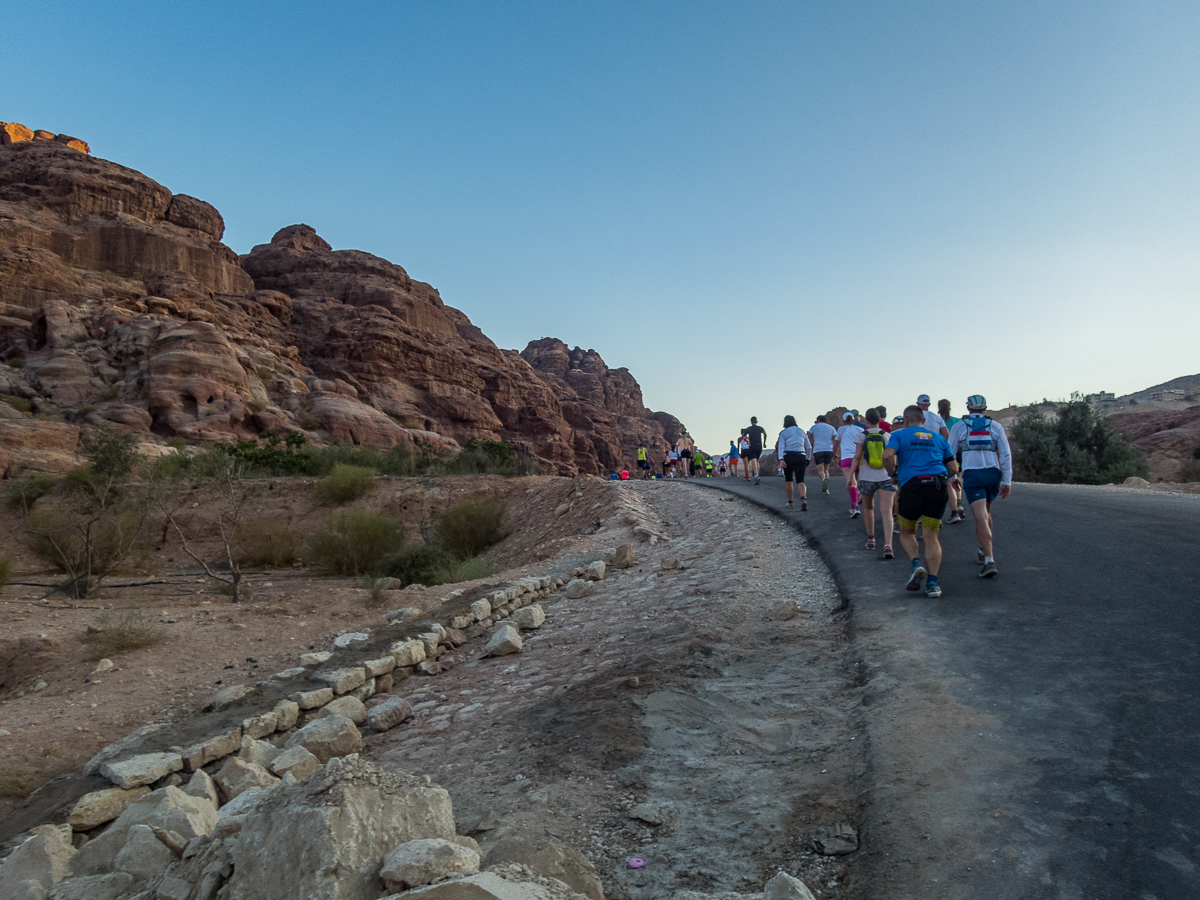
x=759 y=208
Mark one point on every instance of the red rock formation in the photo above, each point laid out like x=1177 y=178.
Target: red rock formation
x=119 y=304
x=15 y=132
x=1167 y=438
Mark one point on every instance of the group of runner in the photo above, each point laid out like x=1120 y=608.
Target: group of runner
x=916 y=465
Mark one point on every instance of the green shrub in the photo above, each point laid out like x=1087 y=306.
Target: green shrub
x=1081 y=447
x=374 y=586
x=308 y=421
x=22 y=493
x=109 y=393
x=17 y=362
x=127 y=629
x=1190 y=470
x=111 y=455
x=463 y=570
x=20 y=404
x=354 y=543
x=85 y=410
x=85 y=542
x=177 y=441
x=345 y=483
x=262 y=543
x=471 y=526
x=416 y=564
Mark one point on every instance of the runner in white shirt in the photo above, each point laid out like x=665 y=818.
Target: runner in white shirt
x=794 y=450
x=844 y=446
x=875 y=482
x=933 y=421
x=987 y=472
x=821 y=437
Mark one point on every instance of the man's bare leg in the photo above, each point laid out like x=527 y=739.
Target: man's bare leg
x=982 y=511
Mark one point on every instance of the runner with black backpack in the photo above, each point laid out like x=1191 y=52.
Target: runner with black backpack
x=874 y=480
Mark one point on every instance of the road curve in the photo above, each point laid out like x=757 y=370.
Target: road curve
x=1036 y=735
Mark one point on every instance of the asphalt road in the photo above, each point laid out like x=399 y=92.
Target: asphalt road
x=1036 y=735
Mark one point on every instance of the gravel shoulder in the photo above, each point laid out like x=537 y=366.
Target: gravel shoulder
x=668 y=691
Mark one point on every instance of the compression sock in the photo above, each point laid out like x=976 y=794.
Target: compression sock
x=854 y=497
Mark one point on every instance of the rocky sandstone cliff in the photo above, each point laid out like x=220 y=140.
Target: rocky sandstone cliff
x=119 y=303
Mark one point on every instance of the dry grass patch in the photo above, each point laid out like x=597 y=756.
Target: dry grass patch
x=123 y=630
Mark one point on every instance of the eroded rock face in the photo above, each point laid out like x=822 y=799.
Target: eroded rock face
x=119 y=304
x=324 y=838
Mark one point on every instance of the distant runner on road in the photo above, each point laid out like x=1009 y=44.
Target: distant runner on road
x=844 y=447
x=756 y=435
x=643 y=460
x=874 y=481
x=932 y=420
x=793 y=449
x=919 y=460
x=987 y=472
x=821 y=435
x=733 y=457
x=956 y=506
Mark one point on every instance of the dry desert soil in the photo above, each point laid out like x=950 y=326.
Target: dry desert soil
x=666 y=689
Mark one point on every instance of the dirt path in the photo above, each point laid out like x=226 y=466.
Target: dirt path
x=669 y=688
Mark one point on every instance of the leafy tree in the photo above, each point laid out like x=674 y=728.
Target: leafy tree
x=1079 y=447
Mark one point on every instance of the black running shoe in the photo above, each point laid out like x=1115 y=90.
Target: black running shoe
x=917 y=578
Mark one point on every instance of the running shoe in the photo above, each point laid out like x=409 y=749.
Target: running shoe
x=933 y=590
x=989 y=570
x=824 y=485
x=855 y=513
x=789 y=504
x=887 y=552
x=803 y=506
x=917 y=578
x=756 y=479
x=979 y=557
x=870 y=543
x=956 y=517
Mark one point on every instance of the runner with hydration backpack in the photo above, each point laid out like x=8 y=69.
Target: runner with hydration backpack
x=874 y=481
x=987 y=472
x=643 y=460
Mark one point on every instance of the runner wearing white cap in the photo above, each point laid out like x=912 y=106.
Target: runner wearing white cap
x=987 y=472
x=843 y=447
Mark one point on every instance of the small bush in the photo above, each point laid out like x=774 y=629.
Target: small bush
x=24 y=492
x=17 y=362
x=374 y=586
x=308 y=421
x=20 y=404
x=79 y=337
x=416 y=564
x=463 y=570
x=1190 y=471
x=85 y=545
x=177 y=441
x=354 y=543
x=471 y=527
x=109 y=393
x=127 y=629
x=345 y=483
x=261 y=543
x=85 y=410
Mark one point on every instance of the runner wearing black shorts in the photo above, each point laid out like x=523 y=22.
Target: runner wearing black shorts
x=756 y=435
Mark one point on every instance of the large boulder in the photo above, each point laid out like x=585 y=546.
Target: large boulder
x=550 y=859
x=168 y=808
x=44 y=858
x=324 y=838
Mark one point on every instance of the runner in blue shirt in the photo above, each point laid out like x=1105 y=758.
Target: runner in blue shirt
x=919 y=460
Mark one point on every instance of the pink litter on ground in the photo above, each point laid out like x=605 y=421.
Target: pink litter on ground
x=636 y=862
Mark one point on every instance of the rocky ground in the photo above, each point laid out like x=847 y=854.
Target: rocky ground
x=672 y=714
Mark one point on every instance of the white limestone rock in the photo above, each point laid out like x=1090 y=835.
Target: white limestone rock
x=784 y=887
x=295 y=760
x=408 y=652
x=505 y=641
x=44 y=859
x=98 y=807
x=350 y=707
x=143 y=855
x=237 y=776
x=421 y=862
x=529 y=618
x=145 y=768
x=328 y=737
x=340 y=822
x=577 y=588
x=389 y=714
